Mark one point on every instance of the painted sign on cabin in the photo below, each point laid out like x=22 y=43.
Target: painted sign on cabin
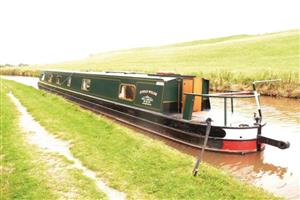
x=149 y=95
x=147 y=100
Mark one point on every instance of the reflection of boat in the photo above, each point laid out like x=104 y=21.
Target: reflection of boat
x=251 y=167
x=175 y=106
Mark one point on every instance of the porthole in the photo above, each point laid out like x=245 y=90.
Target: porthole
x=69 y=81
x=58 y=80
x=50 y=78
x=86 y=84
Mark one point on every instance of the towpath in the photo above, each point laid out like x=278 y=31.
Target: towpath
x=37 y=135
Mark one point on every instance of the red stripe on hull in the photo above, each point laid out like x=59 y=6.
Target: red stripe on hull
x=240 y=145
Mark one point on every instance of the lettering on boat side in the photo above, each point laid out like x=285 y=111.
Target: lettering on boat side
x=160 y=83
x=148 y=92
x=147 y=100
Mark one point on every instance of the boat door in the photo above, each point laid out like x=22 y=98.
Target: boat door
x=192 y=85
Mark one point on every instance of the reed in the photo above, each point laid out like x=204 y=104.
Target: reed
x=19 y=71
x=288 y=86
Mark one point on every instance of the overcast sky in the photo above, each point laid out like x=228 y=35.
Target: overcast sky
x=47 y=31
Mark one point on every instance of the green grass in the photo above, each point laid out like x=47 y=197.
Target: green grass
x=141 y=167
x=28 y=173
x=277 y=51
x=17 y=178
x=229 y=62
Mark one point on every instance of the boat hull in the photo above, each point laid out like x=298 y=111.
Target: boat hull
x=183 y=131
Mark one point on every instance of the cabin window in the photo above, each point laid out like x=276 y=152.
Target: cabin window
x=43 y=77
x=50 y=78
x=86 y=84
x=69 y=81
x=58 y=80
x=127 y=92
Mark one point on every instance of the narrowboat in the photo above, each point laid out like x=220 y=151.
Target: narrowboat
x=171 y=105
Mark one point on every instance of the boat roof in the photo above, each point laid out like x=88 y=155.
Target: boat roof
x=160 y=76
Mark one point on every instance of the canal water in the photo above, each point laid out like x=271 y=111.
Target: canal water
x=273 y=169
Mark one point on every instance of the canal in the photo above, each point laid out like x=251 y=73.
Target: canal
x=273 y=169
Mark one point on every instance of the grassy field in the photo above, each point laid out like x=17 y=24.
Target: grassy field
x=28 y=173
x=229 y=62
x=141 y=167
x=249 y=54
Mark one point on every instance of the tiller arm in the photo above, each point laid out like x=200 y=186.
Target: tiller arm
x=276 y=143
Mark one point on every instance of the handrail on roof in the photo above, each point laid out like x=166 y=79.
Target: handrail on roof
x=188 y=110
x=123 y=72
x=241 y=94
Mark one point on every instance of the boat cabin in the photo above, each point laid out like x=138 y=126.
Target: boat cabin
x=161 y=92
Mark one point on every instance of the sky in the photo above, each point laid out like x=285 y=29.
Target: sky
x=49 y=31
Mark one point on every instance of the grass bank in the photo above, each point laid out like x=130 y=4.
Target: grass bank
x=139 y=166
x=18 y=180
x=28 y=173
